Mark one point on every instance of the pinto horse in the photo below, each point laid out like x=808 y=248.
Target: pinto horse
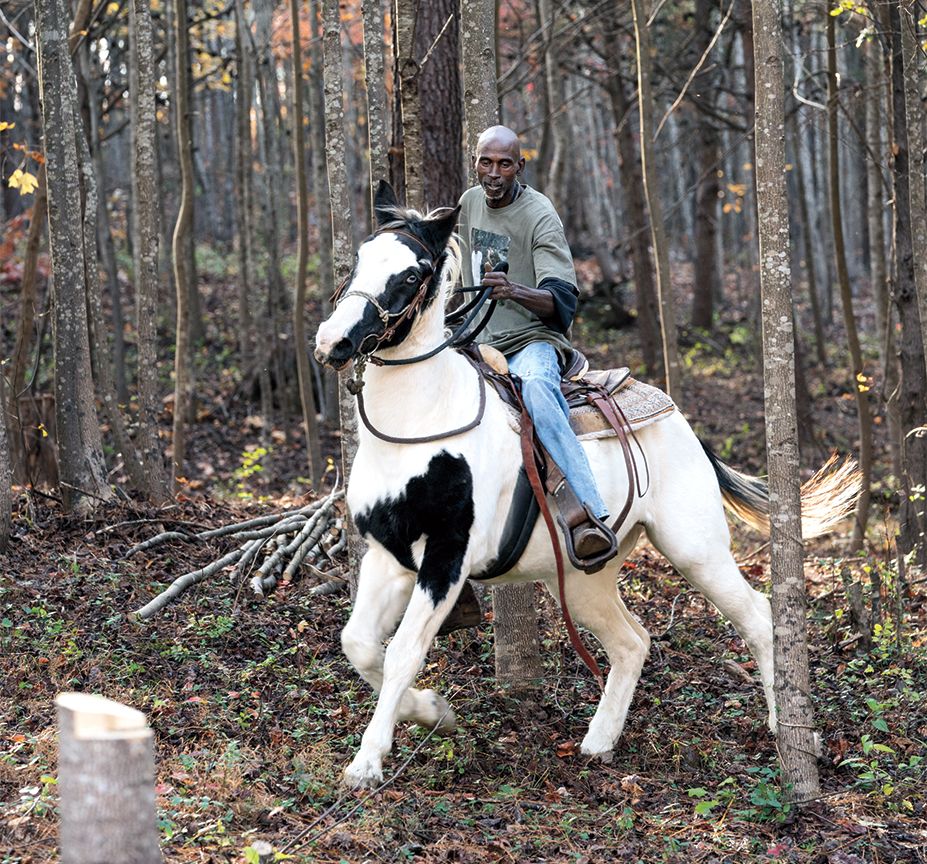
x=434 y=478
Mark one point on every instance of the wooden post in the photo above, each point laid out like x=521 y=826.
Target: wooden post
x=106 y=782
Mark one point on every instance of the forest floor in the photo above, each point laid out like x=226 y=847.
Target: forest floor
x=256 y=711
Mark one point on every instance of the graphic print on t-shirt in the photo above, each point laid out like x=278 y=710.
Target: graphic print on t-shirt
x=487 y=248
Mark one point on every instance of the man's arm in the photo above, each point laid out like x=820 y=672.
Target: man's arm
x=553 y=301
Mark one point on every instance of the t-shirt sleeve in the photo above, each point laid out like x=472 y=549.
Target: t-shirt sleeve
x=565 y=296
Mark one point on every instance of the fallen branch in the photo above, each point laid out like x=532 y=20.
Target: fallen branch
x=288 y=540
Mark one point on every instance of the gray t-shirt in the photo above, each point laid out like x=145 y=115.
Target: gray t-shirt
x=529 y=235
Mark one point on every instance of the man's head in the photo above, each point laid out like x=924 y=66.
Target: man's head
x=498 y=163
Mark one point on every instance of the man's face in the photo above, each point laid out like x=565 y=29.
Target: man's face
x=497 y=168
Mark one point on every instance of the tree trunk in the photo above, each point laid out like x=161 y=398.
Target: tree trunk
x=632 y=183
x=860 y=382
x=106 y=782
x=80 y=449
x=307 y=400
x=244 y=94
x=183 y=228
x=554 y=179
x=518 y=659
x=911 y=52
x=342 y=233
x=145 y=241
x=437 y=50
x=408 y=74
x=707 y=272
x=878 y=197
x=793 y=694
x=913 y=390
x=671 y=365
x=28 y=300
x=377 y=114
x=6 y=472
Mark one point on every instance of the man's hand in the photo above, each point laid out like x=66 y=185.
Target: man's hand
x=537 y=300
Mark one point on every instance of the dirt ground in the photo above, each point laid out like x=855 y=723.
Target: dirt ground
x=256 y=711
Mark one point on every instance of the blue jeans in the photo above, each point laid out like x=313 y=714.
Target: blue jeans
x=538 y=367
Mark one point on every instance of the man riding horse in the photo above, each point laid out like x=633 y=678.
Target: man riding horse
x=504 y=222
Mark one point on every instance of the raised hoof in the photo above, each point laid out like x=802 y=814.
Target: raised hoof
x=441 y=714
x=362 y=773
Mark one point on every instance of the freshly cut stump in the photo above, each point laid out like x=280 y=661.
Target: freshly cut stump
x=106 y=781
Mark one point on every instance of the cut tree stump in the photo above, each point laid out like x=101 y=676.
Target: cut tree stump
x=106 y=782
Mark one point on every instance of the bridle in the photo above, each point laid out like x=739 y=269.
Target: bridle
x=456 y=339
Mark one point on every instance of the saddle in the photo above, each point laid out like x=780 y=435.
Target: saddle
x=603 y=403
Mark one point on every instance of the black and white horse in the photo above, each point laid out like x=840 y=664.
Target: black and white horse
x=433 y=513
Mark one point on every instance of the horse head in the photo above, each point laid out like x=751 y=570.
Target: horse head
x=399 y=272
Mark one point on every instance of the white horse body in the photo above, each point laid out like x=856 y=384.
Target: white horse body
x=681 y=512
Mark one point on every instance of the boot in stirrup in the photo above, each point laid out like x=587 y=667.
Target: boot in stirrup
x=590 y=543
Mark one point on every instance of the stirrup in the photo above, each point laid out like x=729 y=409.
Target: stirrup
x=592 y=533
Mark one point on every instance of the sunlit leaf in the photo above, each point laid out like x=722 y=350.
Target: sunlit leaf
x=23 y=181
x=4 y=125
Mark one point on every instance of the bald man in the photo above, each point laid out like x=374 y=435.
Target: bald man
x=503 y=220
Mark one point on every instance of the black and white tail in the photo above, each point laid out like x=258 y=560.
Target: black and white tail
x=827 y=498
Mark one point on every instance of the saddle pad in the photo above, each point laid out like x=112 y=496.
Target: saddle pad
x=641 y=403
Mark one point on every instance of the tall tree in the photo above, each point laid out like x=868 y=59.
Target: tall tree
x=183 y=229
x=80 y=448
x=913 y=389
x=857 y=369
x=6 y=472
x=671 y=365
x=342 y=229
x=702 y=95
x=408 y=74
x=515 y=622
x=793 y=696
x=375 y=80
x=307 y=400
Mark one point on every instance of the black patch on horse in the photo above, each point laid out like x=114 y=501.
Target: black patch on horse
x=437 y=504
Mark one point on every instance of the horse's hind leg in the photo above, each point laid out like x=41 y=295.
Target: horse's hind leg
x=383 y=592
x=594 y=602
x=696 y=540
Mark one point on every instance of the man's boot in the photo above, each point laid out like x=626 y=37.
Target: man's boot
x=590 y=543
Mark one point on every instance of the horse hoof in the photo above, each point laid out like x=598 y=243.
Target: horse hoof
x=603 y=754
x=443 y=719
x=362 y=773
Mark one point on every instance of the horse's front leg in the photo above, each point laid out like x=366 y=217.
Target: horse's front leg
x=439 y=582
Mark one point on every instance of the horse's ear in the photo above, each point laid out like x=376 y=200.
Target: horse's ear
x=437 y=230
x=383 y=203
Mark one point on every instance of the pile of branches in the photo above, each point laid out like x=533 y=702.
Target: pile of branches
x=309 y=536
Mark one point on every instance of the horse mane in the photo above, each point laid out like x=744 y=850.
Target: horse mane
x=449 y=263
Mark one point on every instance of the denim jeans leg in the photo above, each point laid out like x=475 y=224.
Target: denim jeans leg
x=539 y=369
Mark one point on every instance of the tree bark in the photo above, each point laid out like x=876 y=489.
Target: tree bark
x=860 y=382
x=911 y=52
x=517 y=653
x=307 y=400
x=183 y=228
x=106 y=781
x=244 y=192
x=554 y=178
x=632 y=184
x=437 y=50
x=408 y=74
x=913 y=390
x=878 y=270
x=80 y=448
x=145 y=241
x=377 y=114
x=342 y=233
x=671 y=364
x=707 y=272
x=792 y=686
x=6 y=472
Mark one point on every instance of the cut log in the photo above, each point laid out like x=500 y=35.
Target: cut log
x=106 y=781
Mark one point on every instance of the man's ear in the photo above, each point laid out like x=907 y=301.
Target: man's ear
x=437 y=231
x=383 y=202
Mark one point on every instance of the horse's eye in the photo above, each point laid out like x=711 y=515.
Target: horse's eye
x=412 y=279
